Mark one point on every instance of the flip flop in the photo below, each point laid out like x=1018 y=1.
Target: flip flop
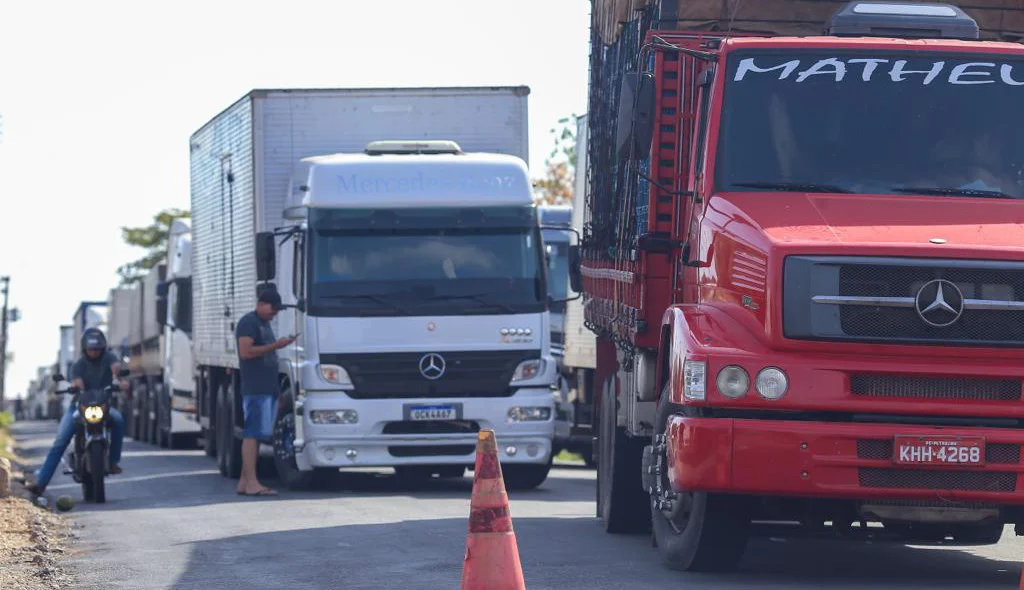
x=263 y=492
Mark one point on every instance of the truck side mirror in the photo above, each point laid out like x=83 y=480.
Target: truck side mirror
x=266 y=256
x=624 y=118
x=161 y=289
x=575 y=269
x=635 y=120
x=643 y=116
x=161 y=310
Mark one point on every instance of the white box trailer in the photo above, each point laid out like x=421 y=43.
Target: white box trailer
x=580 y=350
x=120 y=303
x=242 y=166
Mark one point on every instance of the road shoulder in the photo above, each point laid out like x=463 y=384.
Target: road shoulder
x=33 y=540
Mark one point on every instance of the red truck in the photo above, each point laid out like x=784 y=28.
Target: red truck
x=803 y=256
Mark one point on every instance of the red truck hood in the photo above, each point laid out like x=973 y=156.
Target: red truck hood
x=873 y=221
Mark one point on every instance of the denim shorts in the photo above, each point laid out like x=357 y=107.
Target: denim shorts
x=259 y=416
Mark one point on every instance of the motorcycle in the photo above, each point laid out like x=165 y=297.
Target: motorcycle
x=87 y=460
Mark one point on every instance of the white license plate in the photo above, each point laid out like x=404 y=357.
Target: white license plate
x=439 y=412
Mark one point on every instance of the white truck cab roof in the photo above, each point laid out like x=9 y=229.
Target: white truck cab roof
x=397 y=174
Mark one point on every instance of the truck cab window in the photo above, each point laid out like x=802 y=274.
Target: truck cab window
x=432 y=261
x=910 y=125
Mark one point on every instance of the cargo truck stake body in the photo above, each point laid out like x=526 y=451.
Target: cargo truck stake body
x=807 y=291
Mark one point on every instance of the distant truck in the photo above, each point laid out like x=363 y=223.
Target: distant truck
x=556 y=250
x=149 y=328
x=574 y=428
x=399 y=227
x=65 y=358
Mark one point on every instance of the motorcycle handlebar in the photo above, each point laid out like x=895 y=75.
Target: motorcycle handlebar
x=77 y=390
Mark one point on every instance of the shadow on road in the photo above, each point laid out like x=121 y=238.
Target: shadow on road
x=562 y=554
x=161 y=478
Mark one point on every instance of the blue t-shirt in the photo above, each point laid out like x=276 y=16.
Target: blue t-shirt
x=95 y=374
x=259 y=375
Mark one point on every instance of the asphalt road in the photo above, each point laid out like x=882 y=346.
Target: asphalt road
x=171 y=521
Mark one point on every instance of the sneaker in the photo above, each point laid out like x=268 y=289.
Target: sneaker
x=115 y=469
x=35 y=490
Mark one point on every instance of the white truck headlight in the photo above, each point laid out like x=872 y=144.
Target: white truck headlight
x=772 y=383
x=733 y=381
x=334 y=417
x=529 y=414
x=335 y=374
x=695 y=375
x=528 y=370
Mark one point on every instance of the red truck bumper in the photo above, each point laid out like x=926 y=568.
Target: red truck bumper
x=834 y=460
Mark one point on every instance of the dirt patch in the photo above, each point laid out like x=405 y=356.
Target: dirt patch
x=31 y=542
x=32 y=539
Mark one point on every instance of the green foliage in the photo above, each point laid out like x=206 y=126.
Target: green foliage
x=153 y=239
x=6 y=419
x=556 y=186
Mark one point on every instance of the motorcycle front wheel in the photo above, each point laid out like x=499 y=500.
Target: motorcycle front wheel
x=97 y=473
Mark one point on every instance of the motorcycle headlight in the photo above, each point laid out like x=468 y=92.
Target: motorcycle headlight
x=93 y=414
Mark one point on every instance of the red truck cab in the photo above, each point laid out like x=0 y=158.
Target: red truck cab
x=804 y=261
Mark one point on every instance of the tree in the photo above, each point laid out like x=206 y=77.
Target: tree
x=556 y=186
x=152 y=238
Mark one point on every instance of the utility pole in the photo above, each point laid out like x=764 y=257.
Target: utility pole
x=6 y=281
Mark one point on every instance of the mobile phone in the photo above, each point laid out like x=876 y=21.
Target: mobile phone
x=295 y=335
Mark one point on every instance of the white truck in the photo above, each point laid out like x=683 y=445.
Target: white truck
x=580 y=345
x=411 y=268
x=150 y=326
x=65 y=358
x=177 y=416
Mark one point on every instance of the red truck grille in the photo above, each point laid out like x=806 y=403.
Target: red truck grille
x=930 y=479
x=936 y=387
x=995 y=453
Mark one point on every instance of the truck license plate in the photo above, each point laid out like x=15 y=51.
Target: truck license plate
x=438 y=412
x=939 y=450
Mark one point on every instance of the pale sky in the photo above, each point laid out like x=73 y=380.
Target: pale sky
x=99 y=98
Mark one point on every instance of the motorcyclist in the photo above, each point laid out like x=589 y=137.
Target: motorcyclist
x=96 y=369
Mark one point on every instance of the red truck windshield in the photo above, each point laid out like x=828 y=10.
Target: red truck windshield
x=870 y=123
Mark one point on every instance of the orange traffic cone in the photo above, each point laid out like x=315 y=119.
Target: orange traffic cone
x=492 y=556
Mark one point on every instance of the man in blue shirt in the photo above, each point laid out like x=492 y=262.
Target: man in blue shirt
x=257 y=364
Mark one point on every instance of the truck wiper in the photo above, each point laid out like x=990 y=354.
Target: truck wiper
x=478 y=297
x=793 y=186
x=371 y=297
x=954 y=192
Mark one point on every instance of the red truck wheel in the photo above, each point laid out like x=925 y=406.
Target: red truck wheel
x=696 y=531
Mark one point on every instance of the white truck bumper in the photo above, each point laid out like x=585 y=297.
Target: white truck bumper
x=365 y=444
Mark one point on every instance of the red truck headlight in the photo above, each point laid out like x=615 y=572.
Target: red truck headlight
x=772 y=383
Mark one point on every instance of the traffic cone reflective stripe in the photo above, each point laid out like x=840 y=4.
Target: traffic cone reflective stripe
x=492 y=556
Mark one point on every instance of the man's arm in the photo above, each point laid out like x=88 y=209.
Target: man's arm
x=248 y=331
x=247 y=348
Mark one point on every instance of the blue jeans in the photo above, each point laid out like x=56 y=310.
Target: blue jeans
x=66 y=431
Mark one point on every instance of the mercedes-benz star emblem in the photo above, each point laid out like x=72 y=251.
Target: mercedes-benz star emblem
x=939 y=303
x=432 y=366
